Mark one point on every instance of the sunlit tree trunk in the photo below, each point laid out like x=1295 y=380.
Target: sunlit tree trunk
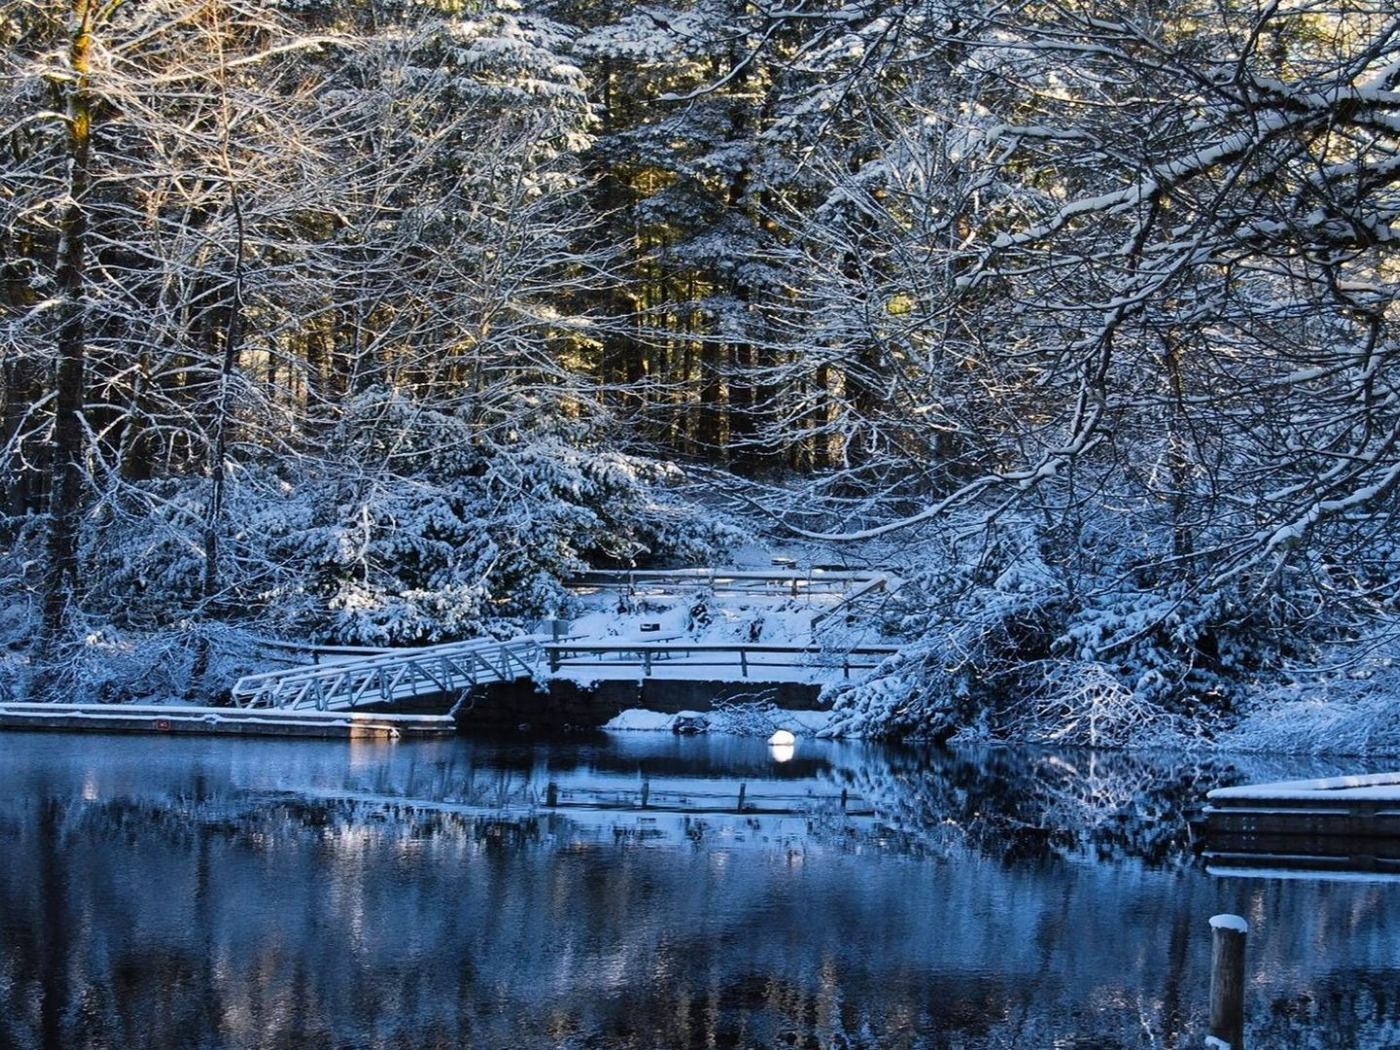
x=69 y=444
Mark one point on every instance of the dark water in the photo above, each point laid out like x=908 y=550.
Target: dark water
x=168 y=892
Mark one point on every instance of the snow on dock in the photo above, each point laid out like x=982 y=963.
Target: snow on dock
x=1374 y=787
x=171 y=718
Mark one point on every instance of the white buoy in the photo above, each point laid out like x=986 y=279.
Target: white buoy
x=782 y=738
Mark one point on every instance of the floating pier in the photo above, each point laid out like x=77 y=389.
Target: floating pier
x=160 y=718
x=1341 y=826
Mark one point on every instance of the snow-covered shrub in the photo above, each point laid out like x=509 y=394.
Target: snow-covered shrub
x=407 y=527
x=974 y=621
x=107 y=665
x=1180 y=646
x=1083 y=703
x=1349 y=711
x=144 y=556
x=754 y=716
x=1044 y=634
x=420 y=532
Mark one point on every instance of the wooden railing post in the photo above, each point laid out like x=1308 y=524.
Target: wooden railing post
x=1227 y=982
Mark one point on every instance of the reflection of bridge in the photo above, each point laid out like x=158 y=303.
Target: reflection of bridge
x=353 y=680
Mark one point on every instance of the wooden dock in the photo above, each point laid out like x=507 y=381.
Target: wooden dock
x=1341 y=826
x=172 y=719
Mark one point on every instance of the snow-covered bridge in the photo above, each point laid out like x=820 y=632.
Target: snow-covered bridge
x=388 y=677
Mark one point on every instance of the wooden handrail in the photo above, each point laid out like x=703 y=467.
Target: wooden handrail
x=646 y=653
x=795 y=581
x=584 y=646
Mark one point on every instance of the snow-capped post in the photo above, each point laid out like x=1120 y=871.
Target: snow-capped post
x=1227 y=982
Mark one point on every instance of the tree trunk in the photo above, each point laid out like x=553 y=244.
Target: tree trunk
x=65 y=501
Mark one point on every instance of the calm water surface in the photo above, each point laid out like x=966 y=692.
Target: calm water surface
x=169 y=892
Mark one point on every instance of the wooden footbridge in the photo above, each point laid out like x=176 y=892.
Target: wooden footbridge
x=352 y=679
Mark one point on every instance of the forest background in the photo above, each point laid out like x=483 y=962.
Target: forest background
x=367 y=321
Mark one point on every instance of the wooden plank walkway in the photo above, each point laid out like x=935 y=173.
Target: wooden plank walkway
x=1339 y=825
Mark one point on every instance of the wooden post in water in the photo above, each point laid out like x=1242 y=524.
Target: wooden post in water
x=1227 y=982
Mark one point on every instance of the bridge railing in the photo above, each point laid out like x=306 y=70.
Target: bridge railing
x=749 y=659
x=882 y=584
x=390 y=676
x=793 y=582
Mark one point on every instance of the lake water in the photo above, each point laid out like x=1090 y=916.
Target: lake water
x=610 y=893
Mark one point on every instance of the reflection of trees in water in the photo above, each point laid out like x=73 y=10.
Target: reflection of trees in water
x=1024 y=805
x=213 y=916
x=1016 y=805
x=1367 y=1003
x=240 y=922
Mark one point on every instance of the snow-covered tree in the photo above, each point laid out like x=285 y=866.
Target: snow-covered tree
x=222 y=222
x=1180 y=284
x=138 y=146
